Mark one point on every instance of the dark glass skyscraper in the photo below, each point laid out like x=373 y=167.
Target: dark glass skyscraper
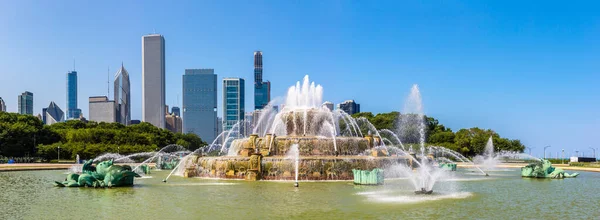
x=72 y=110
x=26 y=103
x=233 y=102
x=200 y=103
x=122 y=96
x=262 y=90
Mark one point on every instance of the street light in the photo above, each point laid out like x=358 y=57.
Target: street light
x=58 y=161
x=563 y=156
x=577 y=153
x=545 y=151
x=594 y=149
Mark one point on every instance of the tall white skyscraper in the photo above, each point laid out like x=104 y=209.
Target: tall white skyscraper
x=153 y=80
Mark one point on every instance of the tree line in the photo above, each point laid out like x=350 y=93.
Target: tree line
x=26 y=135
x=467 y=141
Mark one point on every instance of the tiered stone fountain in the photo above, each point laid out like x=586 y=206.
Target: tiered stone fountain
x=330 y=145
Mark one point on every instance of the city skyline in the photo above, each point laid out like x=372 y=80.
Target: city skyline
x=474 y=62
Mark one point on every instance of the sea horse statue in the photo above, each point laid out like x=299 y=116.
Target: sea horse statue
x=103 y=174
x=544 y=169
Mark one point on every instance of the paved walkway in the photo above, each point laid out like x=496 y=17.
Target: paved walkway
x=34 y=166
x=519 y=165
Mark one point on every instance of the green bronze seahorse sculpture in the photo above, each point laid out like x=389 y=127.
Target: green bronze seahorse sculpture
x=103 y=174
x=544 y=169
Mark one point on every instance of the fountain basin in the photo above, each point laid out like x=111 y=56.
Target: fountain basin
x=282 y=168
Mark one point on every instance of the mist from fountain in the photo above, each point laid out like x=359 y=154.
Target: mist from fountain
x=458 y=156
x=487 y=159
x=294 y=154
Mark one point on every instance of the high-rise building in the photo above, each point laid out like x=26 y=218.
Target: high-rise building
x=349 y=106
x=153 y=80
x=2 y=105
x=72 y=111
x=233 y=102
x=175 y=110
x=328 y=105
x=122 y=96
x=200 y=103
x=102 y=109
x=262 y=90
x=52 y=114
x=26 y=103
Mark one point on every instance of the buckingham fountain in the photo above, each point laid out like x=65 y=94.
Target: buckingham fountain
x=306 y=141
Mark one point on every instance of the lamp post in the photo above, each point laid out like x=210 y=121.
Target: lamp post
x=563 y=156
x=545 y=151
x=577 y=153
x=58 y=161
x=594 y=149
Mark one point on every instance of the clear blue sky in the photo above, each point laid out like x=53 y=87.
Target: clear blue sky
x=527 y=69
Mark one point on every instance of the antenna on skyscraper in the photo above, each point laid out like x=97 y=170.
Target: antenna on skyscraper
x=108 y=81
x=73 y=63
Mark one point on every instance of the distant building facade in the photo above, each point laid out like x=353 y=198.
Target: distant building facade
x=122 y=96
x=52 y=114
x=262 y=90
x=26 y=103
x=200 y=103
x=233 y=102
x=153 y=80
x=328 y=105
x=102 y=109
x=175 y=110
x=249 y=122
x=349 y=106
x=72 y=111
x=173 y=123
x=2 y=105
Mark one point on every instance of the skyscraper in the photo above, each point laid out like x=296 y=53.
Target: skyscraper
x=2 y=105
x=233 y=102
x=262 y=90
x=102 y=109
x=26 y=103
x=153 y=79
x=200 y=103
x=72 y=110
x=122 y=96
x=53 y=114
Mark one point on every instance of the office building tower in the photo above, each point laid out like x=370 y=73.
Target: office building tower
x=102 y=109
x=2 y=105
x=122 y=94
x=153 y=80
x=262 y=90
x=200 y=103
x=233 y=102
x=72 y=111
x=328 y=105
x=349 y=106
x=52 y=114
x=26 y=103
